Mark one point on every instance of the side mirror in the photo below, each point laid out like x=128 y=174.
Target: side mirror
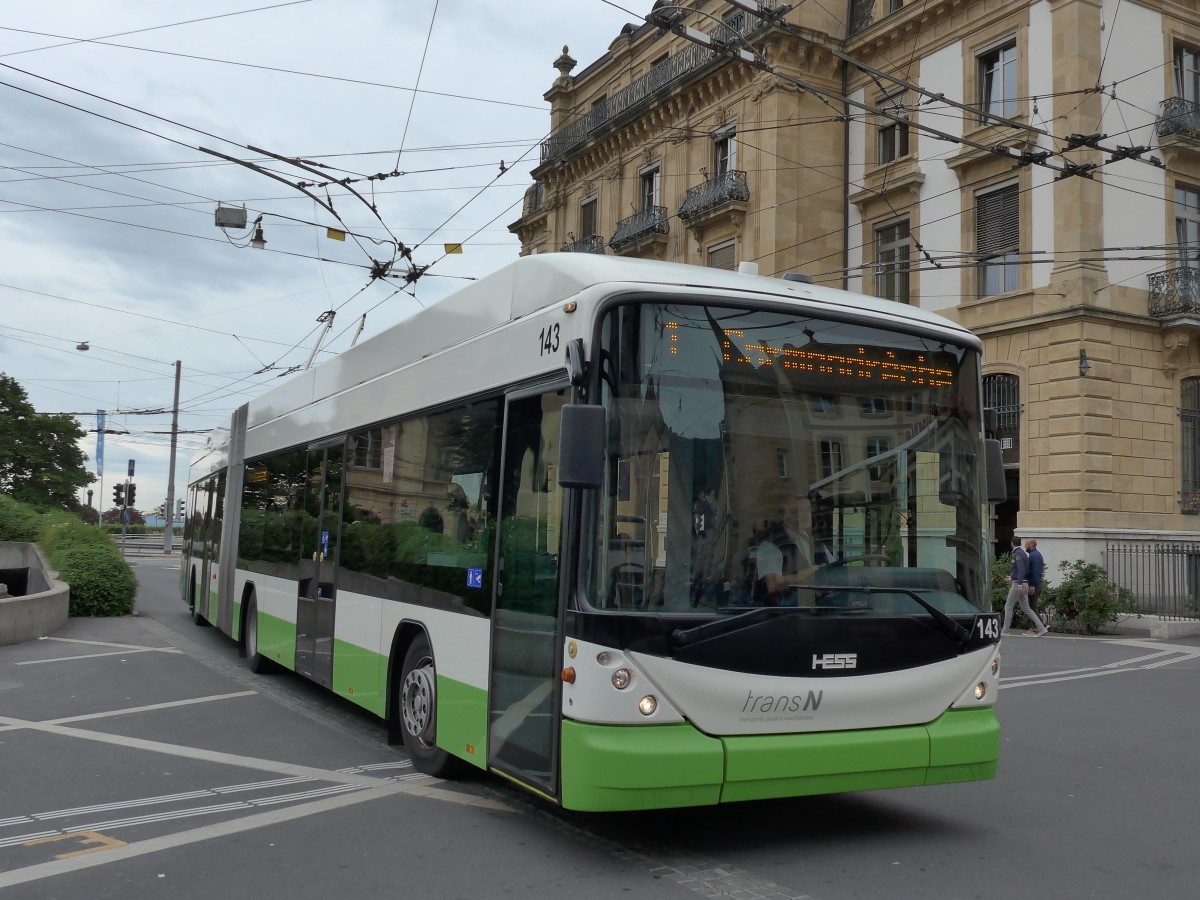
x=582 y=439
x=997 y=487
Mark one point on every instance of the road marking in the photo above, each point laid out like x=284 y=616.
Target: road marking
x=104 y=644
x=1121 y=667
x=381 y=791
x=38 y=662
x=101 y=841
x=128 y=710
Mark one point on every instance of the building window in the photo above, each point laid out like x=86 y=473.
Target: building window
x=823 y=404
x=1003 y=394
x=721 y=256
x=725 y=152
x=998 y=240
x=891 y=261
x=781 y=465
x=893 y=135
x=368 y=449
x=651 y=181
x=998 y=80
x=1187 y=225
x=587 y=218
x=1187 y=73
x=877 y=446
x=1189 y=416
x=831 y=457
x=894 y=5
x=874 y=406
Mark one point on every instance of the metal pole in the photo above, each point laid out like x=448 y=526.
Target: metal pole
x=169 y=511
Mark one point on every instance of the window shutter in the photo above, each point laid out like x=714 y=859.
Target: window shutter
x=998 y=221
x=587 y=219
x=721 y=257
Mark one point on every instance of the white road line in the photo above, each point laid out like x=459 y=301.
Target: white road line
x=112 y=644
x=197 y=753
x=58 y=659
x=125 y=804
x=152 y=707
x=1112 y=665
x=1171 y=662
x=237 y=826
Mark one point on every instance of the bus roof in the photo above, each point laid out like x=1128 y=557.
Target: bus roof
x=532 y=283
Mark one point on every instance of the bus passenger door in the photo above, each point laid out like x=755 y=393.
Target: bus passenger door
x=317 y=593
x=525 y=693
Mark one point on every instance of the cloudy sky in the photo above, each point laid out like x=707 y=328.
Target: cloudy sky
x=107 y=202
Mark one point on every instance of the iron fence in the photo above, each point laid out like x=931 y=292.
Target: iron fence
x=1163 y=577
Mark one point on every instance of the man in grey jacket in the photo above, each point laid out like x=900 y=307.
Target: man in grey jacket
x=1019 y=591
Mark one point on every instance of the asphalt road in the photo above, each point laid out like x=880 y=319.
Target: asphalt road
x=139 y=758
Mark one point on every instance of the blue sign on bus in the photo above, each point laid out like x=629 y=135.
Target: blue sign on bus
x=474 y=578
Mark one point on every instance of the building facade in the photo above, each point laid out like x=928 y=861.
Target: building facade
x=1030 y=169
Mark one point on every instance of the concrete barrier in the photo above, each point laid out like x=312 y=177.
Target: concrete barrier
x=42 y=607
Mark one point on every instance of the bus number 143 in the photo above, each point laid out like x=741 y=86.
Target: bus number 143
x=548 y=340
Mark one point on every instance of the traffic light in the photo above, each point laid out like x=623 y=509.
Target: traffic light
x=118 y=495
x=181 y=509
x=132 y=493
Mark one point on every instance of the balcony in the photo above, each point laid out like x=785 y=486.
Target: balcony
x=689 y=62
x=593 y=243
x=727 y=192
x=1179 y=116
x=1175 y=292
x=651 y=224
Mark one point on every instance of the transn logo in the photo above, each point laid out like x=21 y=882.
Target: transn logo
x=835 y=661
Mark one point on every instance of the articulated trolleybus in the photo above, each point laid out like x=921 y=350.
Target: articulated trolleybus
x=630 y=534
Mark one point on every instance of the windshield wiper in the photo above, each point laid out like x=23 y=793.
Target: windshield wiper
x=943 y=621
x=685 y=636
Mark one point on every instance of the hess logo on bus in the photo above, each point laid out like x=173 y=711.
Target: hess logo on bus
x=835 y=661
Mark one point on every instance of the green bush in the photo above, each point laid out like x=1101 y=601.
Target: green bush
x=18 y=521
x=102 y=583
x=1085 y=600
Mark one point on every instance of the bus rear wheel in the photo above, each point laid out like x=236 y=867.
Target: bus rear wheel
x=416 y=709
x=255 y=660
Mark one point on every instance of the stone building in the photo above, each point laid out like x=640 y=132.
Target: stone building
x=1030 y=169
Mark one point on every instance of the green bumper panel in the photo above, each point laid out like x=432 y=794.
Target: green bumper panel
x=609 y=768
x=606 y=768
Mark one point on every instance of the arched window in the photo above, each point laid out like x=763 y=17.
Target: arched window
x=1189 y=445
x=1003 y=394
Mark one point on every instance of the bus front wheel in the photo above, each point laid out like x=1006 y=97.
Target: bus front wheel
x=416 y=708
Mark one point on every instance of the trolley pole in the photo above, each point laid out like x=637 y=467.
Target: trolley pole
x=169 y=509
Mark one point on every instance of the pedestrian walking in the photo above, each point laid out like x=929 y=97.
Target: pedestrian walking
x=1037 y=575
x=1018 y=592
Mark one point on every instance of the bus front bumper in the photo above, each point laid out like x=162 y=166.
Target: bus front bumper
x=606 y=768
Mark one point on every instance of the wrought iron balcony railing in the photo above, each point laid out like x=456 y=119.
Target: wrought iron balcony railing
x=593 y=243
x=534 y=197
x=713 y=195
x=1175 y=292
x=640 y=227
x=1179 y=116
x=678 y=67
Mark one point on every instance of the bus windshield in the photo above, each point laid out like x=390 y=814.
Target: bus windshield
x=765 y=458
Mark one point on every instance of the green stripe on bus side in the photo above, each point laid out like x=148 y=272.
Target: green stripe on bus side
x=628 y=767
x=606 y=768
x=277 y=639
x=359 y=675
x=462 y=717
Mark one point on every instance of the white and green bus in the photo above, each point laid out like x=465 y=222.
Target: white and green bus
x=630 y=534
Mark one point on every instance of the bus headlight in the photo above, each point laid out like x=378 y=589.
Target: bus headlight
x=647 y=705
x=621 y=679
x=980 y=690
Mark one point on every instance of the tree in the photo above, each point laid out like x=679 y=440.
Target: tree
x=112 y=516
x=40 y=460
